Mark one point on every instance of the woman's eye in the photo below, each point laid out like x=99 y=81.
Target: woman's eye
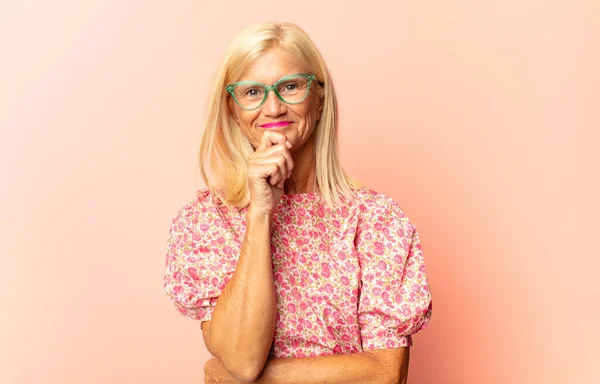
x=289 y=87
x=252 y=92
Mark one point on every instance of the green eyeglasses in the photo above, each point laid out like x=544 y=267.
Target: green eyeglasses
x=250 y=95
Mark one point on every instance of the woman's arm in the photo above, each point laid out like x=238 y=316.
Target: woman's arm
x=377 y=366
x=245 y=313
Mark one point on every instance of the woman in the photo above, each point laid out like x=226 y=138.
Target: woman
x=296 y=273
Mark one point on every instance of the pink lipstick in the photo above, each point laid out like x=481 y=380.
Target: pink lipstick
x=276 y=125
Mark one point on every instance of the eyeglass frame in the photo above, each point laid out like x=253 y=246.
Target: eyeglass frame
x=309 y=76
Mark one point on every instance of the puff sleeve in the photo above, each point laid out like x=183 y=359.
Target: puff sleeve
x=198 y=260
x=395 y=300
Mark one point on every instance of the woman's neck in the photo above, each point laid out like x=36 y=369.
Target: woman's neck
x=303 y=178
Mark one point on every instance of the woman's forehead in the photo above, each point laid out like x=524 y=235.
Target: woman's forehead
x=272 y=65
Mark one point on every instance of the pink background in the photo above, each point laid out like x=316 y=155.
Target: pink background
x=480 y=118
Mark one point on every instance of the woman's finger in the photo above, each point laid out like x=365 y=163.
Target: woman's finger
x=270 y=138
x=268 y=171
x=282 y=159
x=281 y=149
x=283 y=169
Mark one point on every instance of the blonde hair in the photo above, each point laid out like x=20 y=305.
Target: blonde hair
x=224 y=148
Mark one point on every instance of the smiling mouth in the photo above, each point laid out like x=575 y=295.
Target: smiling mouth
x=276 y=125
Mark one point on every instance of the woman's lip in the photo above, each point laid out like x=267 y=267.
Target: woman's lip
x=275 y=125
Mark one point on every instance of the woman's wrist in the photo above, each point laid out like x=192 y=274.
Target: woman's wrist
x=259 y=215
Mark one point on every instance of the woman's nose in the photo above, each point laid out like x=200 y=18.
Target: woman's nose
x=273 y=106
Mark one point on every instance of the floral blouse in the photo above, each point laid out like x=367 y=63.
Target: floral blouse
x=347 y=280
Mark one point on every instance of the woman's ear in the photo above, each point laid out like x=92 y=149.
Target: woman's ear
x=320 y=107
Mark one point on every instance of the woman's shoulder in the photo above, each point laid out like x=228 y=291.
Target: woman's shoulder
x=381 y=210
x=198 y=208
x=374 y=201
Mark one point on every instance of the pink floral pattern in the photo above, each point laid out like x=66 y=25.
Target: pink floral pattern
x=347 y=280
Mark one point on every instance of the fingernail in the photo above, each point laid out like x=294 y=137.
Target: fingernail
x=288 y=144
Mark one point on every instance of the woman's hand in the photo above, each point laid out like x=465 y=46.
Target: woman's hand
x=268 y=168
x=215 y=372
